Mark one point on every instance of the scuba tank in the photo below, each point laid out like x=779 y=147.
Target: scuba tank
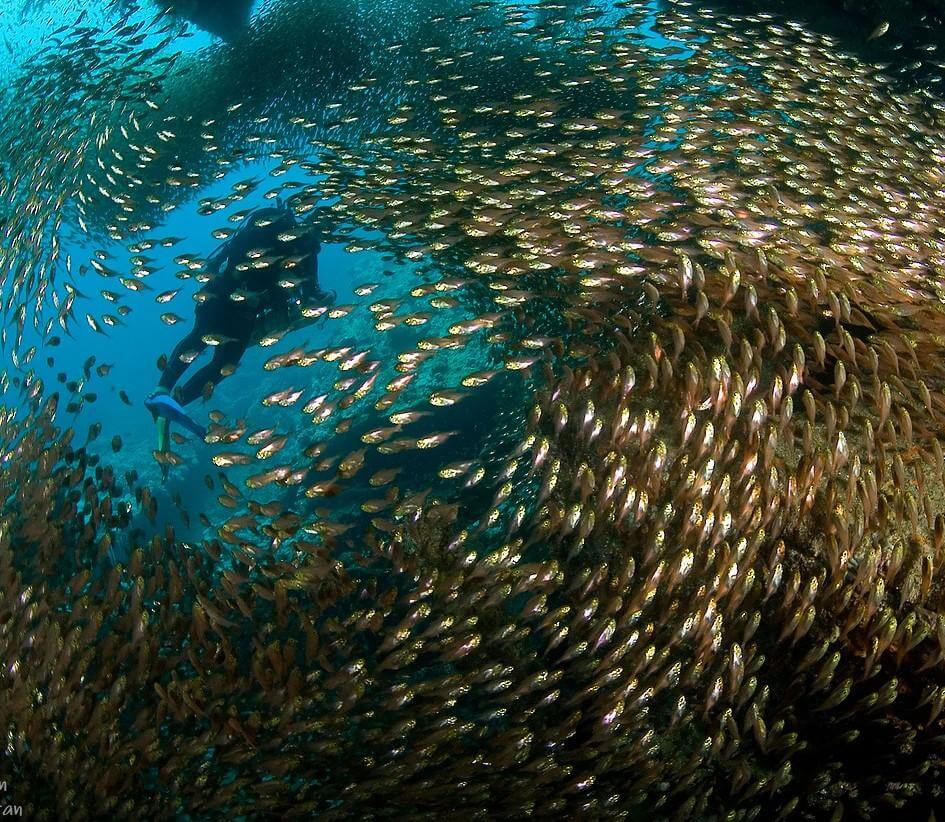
x=279 y=308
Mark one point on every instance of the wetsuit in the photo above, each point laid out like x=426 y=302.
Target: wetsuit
x=253 y=279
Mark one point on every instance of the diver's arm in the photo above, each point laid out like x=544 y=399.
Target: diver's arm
x=304 y=314
x=308 y=294
x=274 y=318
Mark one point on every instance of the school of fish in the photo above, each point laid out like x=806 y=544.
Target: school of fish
x=630 y=505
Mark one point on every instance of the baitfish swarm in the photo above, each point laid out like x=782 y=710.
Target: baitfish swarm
x=629 y=504
x=226 y=19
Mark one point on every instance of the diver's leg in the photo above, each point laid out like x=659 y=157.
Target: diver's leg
x=228 y=353
x=175 y=365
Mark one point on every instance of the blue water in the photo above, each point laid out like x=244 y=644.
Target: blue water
x=133 y=348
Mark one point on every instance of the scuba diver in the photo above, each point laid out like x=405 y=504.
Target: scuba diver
x=264 y=282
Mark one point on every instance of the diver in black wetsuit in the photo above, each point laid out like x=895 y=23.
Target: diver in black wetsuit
x=262 y=279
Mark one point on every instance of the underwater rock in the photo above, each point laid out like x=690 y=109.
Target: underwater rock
x=226 y=19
